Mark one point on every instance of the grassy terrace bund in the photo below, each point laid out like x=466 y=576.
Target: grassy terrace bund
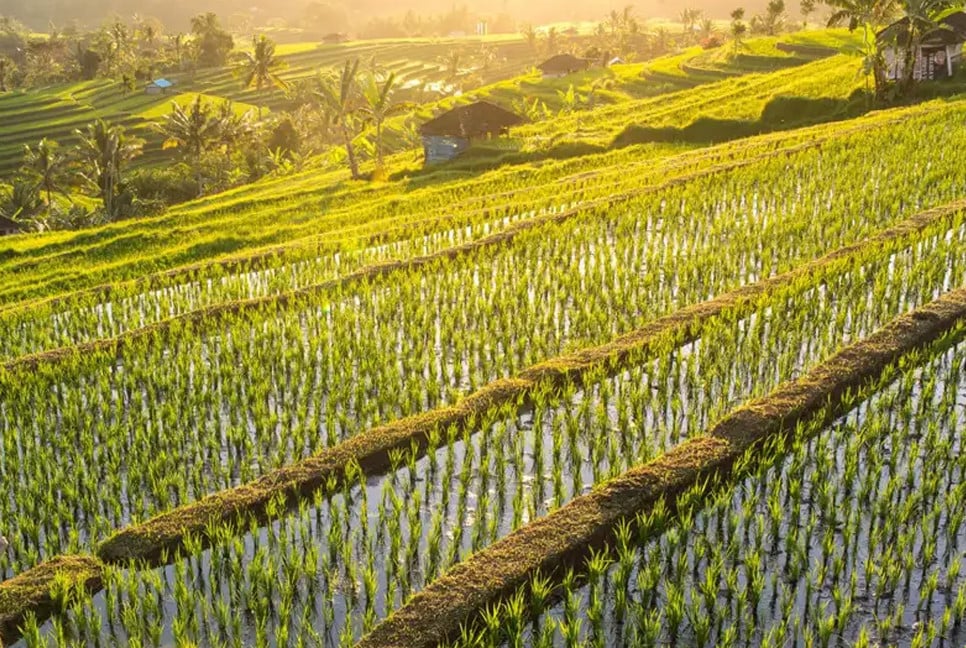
x=163 y=537
x=566 y=537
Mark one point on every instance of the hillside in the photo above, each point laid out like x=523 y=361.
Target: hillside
x=231 y=223
x=677 y=361
x=56 y=112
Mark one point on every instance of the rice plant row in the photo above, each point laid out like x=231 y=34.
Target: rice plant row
x=329 y=573
x=103 y=313
x=855 y=535
x=119 y=442
x=425 y=215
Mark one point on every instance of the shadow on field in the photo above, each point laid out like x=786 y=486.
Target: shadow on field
x=781 y=113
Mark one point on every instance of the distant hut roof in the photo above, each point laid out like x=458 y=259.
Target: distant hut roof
x=952 y=31
x=472 y=120
x=162 y=83
x=335 y=37
x=8 y=226
x=563 y=64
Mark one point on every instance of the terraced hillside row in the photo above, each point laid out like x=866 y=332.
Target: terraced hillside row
x=659 y=390
x=558 y=432
x=573 y=322
x=361 y=225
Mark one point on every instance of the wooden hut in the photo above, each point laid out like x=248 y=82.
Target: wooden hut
x=448 y=135
x=938 y=55
x=8 y=226
x=561 y=65
x=158 y=87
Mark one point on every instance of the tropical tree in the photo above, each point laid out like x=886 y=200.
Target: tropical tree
x=707 y=28
x=807 y=8
x=530 y=34
x=19 y=201
x=103 y=150
x=46 y=167
x=773 y=19
x=870 y=15
x=7 y=69
x=853 y=14
x=213 y=43
x=341 y=99
x=738 y=28
x=380 y=104
x=177 y=44
x=453 y=65
x=259 y=68
x=86 y=61
x=193 y=131
x=689 y=19
x=234 y=128
x=553 y=41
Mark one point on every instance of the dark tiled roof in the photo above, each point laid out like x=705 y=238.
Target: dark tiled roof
x=472 y=120
x=563 y=63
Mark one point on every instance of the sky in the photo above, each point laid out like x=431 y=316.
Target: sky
x=176 y=13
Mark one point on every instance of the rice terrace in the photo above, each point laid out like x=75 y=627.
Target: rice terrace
x=432 y=324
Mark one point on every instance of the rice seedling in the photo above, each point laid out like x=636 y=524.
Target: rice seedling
x=372 y=528
x=886 y=593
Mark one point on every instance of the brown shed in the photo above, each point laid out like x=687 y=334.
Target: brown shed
x=561 y=65
x=8 y=226
x=450 y=134
x=938 y=55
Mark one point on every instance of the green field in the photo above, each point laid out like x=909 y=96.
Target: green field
x=678 y=362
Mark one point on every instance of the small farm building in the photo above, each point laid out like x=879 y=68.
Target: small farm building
x=335 y=38
x=561 y=65
x=450 y=134
x=8 y=226
x=938 y=56
x=158 y=86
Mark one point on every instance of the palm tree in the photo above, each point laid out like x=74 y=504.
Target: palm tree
x=530 y=34
x=380 y=98
x=807 y=9
x=707 y=28
x=7 y=68
x=453 y=63
x=192 y=131
x=552 y=41
x=869 y=15
x=259 y=68
x=47 y=167
x=857 y=13
x=234 y=127
x=177 y=45
x=103 y=150
x=19 y=201
x=341 y=100
x=689 y=18
x=738 y=27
